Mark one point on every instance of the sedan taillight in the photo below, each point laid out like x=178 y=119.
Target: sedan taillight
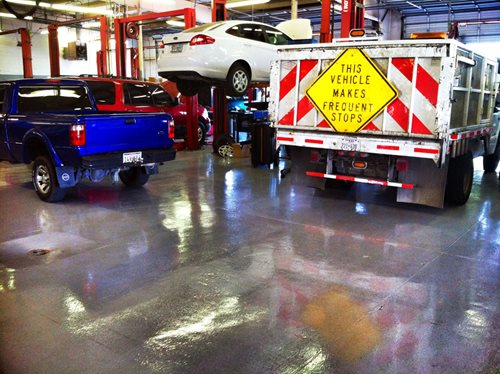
x=201 y=39
x=77 y=136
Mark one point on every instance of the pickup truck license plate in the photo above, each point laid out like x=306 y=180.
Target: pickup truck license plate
x=132 y=158
x=349 y=144
x=176 y=48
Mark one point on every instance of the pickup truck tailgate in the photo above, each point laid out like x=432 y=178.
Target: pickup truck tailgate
x=126 y=132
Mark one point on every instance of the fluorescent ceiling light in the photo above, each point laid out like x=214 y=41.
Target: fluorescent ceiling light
x=176 y=23
x=10 y=15
x=67 y=8
x=413 y=4
x=82 y=9
x=236 y=4
x=7 y=15
x=91 y=24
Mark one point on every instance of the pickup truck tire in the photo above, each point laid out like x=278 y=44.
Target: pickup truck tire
x=202 y=133
x=459 y=181
x=134 y=177
x=44 y=179
x=490 y=162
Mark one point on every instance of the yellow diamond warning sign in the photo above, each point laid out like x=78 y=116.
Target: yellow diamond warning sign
x=351 y=91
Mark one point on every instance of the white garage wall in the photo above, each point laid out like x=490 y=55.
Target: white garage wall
x=11 y=55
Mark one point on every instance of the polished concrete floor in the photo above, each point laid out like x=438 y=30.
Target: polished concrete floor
x=217 y=267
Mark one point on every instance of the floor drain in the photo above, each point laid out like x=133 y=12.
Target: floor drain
x=39 y=252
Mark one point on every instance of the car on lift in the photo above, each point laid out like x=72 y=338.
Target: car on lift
x=229 y=53
x=126 y=95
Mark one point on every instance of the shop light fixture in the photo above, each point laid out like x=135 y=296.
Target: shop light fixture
x=65 y=7
x=176 y=23
x=237 y=4
x=10 y=15
x=7 y=15
x=413 y=4
x=91 y=24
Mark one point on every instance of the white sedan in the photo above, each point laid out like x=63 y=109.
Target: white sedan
x=233 y=53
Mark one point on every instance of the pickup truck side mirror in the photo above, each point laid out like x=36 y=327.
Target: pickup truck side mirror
x=176 y=101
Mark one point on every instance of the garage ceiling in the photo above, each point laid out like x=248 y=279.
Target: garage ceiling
x=478 y=20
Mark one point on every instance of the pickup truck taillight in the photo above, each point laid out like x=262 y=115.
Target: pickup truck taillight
x=171 y=129
x=77 y=135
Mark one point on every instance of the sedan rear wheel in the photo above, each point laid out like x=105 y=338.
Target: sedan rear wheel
x=238 y=80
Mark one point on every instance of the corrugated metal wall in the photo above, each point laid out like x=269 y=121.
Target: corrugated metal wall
x=487 y=28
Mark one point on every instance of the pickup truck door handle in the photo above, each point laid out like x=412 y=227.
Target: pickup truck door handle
x=130 y=121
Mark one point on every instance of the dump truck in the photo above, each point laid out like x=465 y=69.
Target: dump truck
x=409 y=114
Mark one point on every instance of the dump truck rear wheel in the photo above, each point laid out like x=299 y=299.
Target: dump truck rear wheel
x=459 y=181
x=490 y=162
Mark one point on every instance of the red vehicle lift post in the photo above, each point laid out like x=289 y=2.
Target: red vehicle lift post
x=102 y=60
x=25 y=48
x=353 y=16
x=120 y=38
x=325 y=34
x=219 y=13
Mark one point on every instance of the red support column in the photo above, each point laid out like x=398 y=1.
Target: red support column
x=220 y=125
x=353 y=16
x=219 y=11
x=26 y=49
x=55 y=69
x=121 y=68
x=360 y=14
x=192 y=101
x=102 y=55
x=134 y=63
x=325 y=35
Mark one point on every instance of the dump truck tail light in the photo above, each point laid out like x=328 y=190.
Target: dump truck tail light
x=402 y=164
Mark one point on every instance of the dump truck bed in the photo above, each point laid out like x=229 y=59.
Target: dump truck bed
x=374 y=93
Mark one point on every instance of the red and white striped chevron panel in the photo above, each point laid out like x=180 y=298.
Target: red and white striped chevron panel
x=413 y=112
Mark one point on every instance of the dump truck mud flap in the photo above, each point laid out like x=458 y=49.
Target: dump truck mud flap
x=429 y=181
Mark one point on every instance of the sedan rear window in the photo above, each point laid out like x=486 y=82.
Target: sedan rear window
x=52 y=99
x=104 y=92
x=206 y=26
x=146 y=94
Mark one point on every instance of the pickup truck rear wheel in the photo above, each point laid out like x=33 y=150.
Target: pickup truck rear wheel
x=202 y=133
x=44 y=179
x=134 y=177
x=459 y=181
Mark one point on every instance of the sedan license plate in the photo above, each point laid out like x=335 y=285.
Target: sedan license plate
x=132 y=158
x=349 y=144
x=176 y=48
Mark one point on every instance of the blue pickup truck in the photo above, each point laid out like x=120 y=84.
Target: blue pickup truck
x=54 y=124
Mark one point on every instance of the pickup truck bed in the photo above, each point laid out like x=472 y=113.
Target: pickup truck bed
x=55 y=123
